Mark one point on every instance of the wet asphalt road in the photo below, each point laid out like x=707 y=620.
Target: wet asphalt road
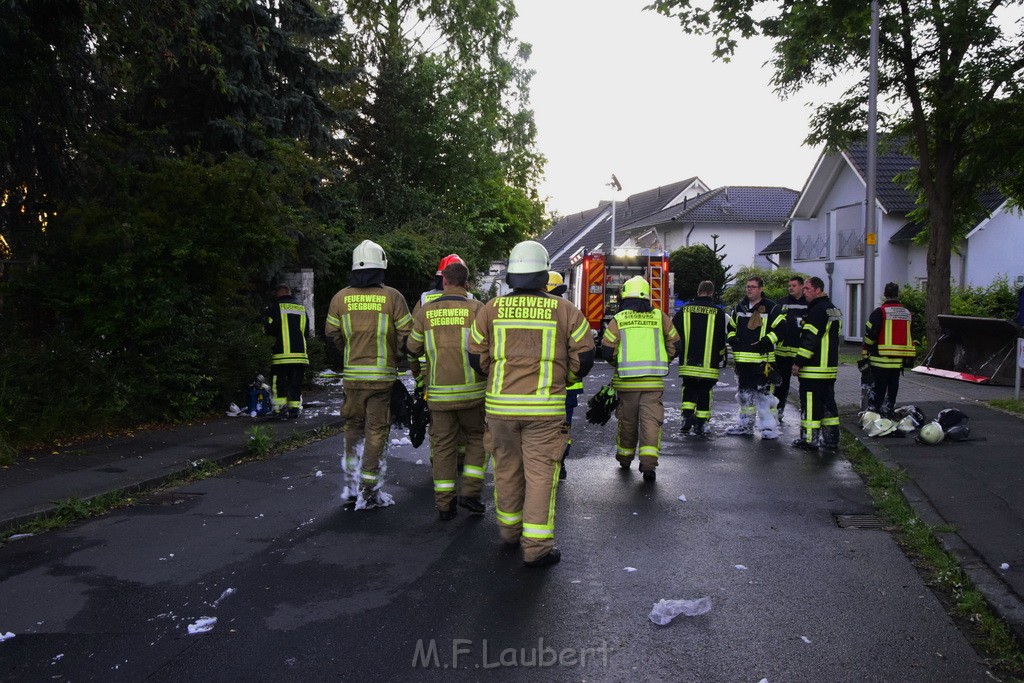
x=305 y=589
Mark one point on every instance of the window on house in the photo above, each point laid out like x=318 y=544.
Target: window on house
x=854 y=325
x=762 y=238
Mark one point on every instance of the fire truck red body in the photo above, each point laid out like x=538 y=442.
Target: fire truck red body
x=595 y=279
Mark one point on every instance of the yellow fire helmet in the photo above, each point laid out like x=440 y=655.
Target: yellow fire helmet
x=636 y=288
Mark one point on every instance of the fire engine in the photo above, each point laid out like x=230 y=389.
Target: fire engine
x=595 y=279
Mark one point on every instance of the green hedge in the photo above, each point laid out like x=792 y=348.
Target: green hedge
x=998 y=300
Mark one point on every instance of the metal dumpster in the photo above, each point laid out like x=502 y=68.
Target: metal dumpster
x=979 y=350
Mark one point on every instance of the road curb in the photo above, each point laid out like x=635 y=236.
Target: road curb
x=167 y=476
x=1002 y=599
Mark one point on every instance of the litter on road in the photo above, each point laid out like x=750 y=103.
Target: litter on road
x=203 y=625
x=665 y=611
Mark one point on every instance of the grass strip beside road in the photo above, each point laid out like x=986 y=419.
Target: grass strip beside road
x=1008 y=404
x=71 y=510
x=885 y=485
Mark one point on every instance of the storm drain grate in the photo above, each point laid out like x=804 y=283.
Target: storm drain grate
x=859 y=521
x=168 y=498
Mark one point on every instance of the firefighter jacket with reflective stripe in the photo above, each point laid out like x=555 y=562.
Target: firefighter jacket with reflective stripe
x=369 y=326
x=788 y=329
x=416 y=360
x=887 y=336
x=747 y=326
x=818 y=353
x=643 y=344
x=287 y=322
x=701 y=326
x=441 y=331
x=528 y=343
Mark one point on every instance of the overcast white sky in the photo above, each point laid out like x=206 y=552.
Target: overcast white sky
x=619 y=90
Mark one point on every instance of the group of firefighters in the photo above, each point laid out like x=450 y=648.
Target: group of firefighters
x=502 y=378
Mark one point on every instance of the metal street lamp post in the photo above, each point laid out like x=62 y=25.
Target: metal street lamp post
x=870 y=214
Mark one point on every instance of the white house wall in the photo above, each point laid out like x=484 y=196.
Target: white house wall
x=843 y=208
x=736 y=239
x=996 y=248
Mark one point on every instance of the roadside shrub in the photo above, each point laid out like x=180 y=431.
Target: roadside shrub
x=691 y=266
x=997 y=300
x=146 y=303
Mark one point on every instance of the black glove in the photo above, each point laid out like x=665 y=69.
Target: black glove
x=764 y=345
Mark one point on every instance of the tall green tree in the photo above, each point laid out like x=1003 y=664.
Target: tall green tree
x=445 y=144
x=950 y=74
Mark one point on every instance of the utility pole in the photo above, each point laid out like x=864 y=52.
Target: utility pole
x=870 y=214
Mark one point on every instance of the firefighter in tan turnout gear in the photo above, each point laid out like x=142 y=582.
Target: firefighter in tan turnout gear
x=368 y=321
x=640 y=342
x=415 y=361
x=529 y=344
x=454 y=392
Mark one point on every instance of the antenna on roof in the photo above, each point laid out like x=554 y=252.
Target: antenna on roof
x=615 y=183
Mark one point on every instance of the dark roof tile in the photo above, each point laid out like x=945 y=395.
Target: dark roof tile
x=783 y=244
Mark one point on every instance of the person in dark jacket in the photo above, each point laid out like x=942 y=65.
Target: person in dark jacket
x=752 y=339
x=792 y=307
x=287 y=322
x=888 y=345
x=817 y=362
x=701 y=327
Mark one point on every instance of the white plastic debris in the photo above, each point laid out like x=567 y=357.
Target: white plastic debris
x=805 y=639
x=226 y=593
x=203 y=625
x=629 y=569
x=741 y=567
x=682 y=498
x=419 y=462
x=1004 y=566
x=665 y=611
x=16 y=537
x=6 y=636
x=319 y=473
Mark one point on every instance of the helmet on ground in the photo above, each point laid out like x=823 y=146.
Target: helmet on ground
x=556 y=285
x=636 y=288
x=527 y=257
x=950 y=417
x=368 y=254
x=883 y=426
x=907 y=424
x=867 y=418
x=912 y=411
x=959 y=432
x=447 y=261
x=931 y=433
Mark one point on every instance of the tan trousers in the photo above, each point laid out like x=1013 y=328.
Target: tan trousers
x=640 y=415
x=449 y=429
x=527 y=460
x=367 y=414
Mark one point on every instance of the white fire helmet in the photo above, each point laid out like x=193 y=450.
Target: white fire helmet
x=867 y=418
x=931 y=433
x=368 y=254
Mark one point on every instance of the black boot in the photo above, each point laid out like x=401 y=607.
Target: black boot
x=449 y=514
